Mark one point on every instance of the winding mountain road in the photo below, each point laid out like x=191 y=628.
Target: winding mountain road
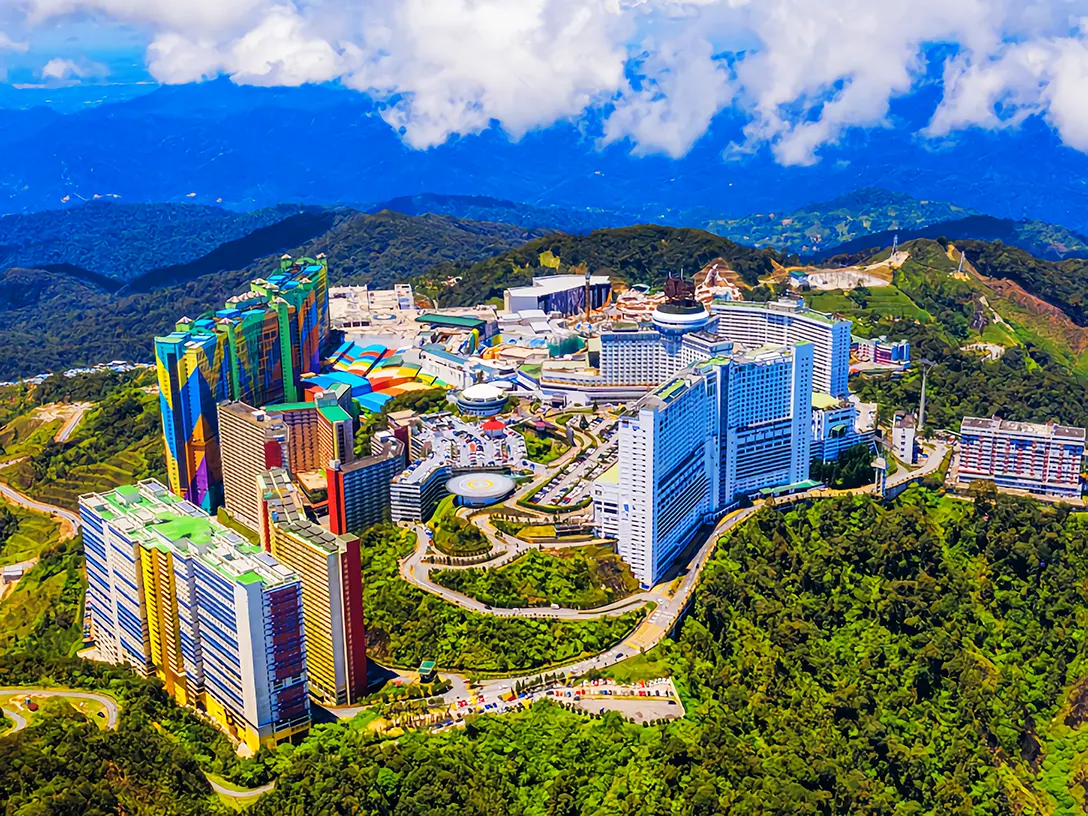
x=70 y=522
x=112 y=709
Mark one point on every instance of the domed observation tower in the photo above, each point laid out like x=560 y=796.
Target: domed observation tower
x=680 y=317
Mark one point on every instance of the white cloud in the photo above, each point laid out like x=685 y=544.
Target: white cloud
x=1047 y=77
x=62 y=70
x=811 y=69
x=663 y=116
x=455 y=65
x=279 y=50
x=8 y=44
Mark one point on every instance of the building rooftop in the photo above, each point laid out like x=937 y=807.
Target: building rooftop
x=902 y=420
x=316 y=535
x=454 y=321
x=440 y=351
x=254 y=416
x=149 y=515
x=1049 y=430
x=784 y=306
x=483 y=392
x=419 y=472
x=825 y=402
x=291 y=406
x=550 y=284
x=334 y=413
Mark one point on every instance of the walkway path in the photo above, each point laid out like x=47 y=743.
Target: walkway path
x=243 y=795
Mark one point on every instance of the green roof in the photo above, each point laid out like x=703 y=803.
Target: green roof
x=334 y=413
x=197 y=530
x=426 y=667
x=822 y=401
x=290 y=406
x=451 y=320
x=610 y=476
x=670 y=389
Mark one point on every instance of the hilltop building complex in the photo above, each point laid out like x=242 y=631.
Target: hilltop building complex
x=173 y=593
x=725 y=428
x=1043 y=459
x=254 y=350
x=565 y=294
x=332 y=591
x=787 y=322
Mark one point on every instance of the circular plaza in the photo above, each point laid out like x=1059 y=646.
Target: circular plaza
x=480 y=489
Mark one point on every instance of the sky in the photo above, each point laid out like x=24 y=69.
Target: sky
x=802 y=73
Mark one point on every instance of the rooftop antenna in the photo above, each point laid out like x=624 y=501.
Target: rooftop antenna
x=588 y=305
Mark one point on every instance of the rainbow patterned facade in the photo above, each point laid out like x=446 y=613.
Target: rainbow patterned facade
x=374 y=373
x=255 y=350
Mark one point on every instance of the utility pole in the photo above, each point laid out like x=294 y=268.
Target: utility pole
x=926 y=365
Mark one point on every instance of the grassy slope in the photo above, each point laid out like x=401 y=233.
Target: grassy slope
x=36 y=534
x=96 y=458
x=578 y=577
x=927 y=289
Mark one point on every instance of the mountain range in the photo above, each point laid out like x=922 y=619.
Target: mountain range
x=98 y=281
x=248 y=148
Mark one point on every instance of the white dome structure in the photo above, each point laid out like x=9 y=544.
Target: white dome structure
x=482 y=399
x=680 y=316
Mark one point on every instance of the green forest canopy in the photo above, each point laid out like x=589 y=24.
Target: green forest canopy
x=924 y=657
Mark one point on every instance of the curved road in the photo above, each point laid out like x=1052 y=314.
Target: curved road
x=68 y=519
x=243 y=795
x=672 y=598
x=72 y=422
x=17 y=718
x=416 y=571
x=112 y=709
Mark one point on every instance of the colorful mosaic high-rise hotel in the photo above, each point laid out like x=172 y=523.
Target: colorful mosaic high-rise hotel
x=254 y=350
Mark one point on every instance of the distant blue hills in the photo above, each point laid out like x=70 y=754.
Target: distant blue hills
x=248 y=148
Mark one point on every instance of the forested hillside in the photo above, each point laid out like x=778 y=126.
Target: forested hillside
x=997 y=348
x=124 y=241
x=484 y=208
x=51 y=320
x=643 y=254
x=824 y=225
x=842 y=657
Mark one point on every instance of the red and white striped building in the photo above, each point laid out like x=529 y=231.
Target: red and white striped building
x=1026 y=456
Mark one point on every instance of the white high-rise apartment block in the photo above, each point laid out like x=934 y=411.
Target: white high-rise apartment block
x=682 y=334
x=665 y=468
x=785 y=323
x=727 y=427
x=766 y=420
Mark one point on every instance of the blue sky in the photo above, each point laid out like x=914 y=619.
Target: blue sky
x=809 y=71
